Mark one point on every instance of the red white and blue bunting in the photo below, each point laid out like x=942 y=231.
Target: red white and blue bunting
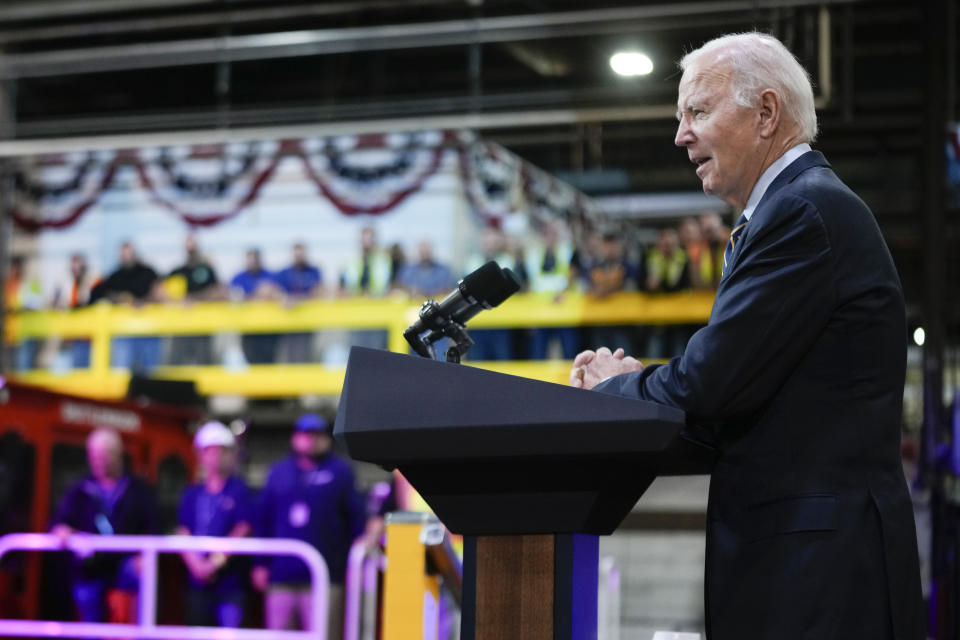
x=497 y=184
x=204 y=185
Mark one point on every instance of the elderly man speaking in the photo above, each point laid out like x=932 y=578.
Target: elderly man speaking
x=797 y=380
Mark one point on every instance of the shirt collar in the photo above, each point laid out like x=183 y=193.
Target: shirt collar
x=770 y=175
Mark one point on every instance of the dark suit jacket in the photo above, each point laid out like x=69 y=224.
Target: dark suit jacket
x=798 y=381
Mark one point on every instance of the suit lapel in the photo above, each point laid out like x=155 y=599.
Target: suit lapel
x=807 y=161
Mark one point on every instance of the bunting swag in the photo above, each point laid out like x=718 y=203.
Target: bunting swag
x=497 y=183
x=372 y=174
x=205 y=185
x=54 y=192
x=492 y=181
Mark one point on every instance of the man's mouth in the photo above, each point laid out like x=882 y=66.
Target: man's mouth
x=700 y=162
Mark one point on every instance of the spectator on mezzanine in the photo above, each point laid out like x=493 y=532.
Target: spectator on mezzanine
x=194 y=280
x=425 y=278
x=300 y=281
x=397 y=261
x=697 y=249
x=668 y=268
x=494 y=344
x=369 y=273
x=73 y=292
x=133 y=281
x=610 y=270
x=75 y=289
x=199 y=276
x=550 y=269
x=716 y=235
x=256 y=283
x=21 y=293
x=136 y=283
x=668 y=271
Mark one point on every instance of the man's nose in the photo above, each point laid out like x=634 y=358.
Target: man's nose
x=684 y=135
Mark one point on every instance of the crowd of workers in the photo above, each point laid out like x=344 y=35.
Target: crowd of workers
x=310 y=495
x=684 y=256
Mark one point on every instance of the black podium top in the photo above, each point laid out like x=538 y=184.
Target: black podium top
x=500 y=454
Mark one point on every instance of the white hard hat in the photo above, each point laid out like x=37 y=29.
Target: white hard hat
x=214 y=434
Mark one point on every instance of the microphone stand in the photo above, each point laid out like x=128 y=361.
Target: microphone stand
x=440 y=326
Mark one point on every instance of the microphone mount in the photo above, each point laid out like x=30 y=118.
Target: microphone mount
x=485 y=288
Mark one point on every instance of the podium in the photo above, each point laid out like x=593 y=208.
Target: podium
x=529 y=472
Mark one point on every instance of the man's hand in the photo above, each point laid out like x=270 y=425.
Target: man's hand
x=591 y=368
x=260 y=577
x=63 y=532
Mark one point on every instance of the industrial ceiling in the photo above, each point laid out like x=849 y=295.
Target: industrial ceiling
x=531 y=74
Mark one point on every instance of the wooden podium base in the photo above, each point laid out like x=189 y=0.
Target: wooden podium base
x=535 y=587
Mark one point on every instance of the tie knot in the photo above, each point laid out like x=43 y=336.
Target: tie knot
x=732 y=242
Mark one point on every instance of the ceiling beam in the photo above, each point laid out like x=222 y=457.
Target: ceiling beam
x=476 y=121
x=223 y=15
x=33 y=10
x=385 y=37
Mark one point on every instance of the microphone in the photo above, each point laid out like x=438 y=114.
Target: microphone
x=484 y=288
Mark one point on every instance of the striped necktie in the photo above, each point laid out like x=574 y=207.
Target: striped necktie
x=732 y=242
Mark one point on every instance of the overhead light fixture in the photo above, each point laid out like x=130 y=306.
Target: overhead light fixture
x=919 y=336
x=631 y=63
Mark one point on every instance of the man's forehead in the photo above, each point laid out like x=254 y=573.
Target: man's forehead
x=697 y=80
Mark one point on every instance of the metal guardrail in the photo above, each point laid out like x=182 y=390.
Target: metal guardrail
x=149 y=547
x=102 y=323
x=361 y=602
x=608 y=600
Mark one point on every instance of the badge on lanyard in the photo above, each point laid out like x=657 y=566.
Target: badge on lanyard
x=299 y=514
x=103 y=524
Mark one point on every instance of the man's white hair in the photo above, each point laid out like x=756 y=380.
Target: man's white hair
x=758 y=62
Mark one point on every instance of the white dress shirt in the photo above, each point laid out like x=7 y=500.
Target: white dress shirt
x=770 y=175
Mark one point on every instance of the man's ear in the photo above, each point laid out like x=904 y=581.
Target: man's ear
x=769 y=113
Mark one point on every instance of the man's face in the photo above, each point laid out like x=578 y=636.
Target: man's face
x=127 y=255
x=310 y=443
x=215 y=460
x=78 y=266
x=368 y=239
x=105 y=461
x=253 y=261
x=190 y=245
x=299 y=255
x=611 y=248
x=668 y=241
x=550 y=234
x=425 y=252
x=721 y=137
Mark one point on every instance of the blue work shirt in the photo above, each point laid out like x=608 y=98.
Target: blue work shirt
x=130 y=507
x=321 y=507
x=248 y=281
x=216 y=514
x=300 y=280
x=431 y=279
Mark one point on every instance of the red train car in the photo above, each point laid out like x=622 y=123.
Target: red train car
x=42 y=451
